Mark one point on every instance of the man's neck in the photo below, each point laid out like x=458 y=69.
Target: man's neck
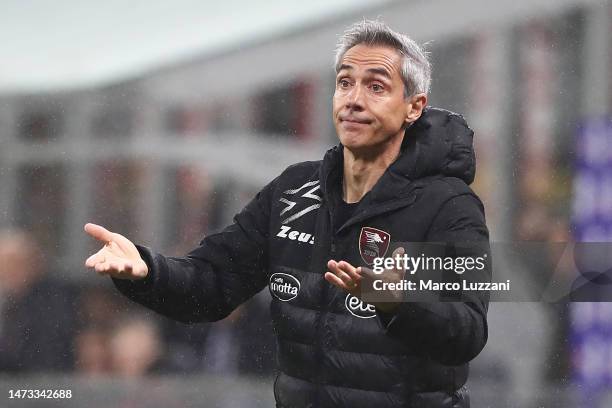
x=361 y=172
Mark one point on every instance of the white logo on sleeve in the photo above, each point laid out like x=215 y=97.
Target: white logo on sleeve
x=358 y=308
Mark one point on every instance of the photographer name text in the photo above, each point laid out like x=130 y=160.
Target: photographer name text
x=430 y=285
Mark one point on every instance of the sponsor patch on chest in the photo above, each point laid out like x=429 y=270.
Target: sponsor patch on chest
x=283 y=286
x=359 y=308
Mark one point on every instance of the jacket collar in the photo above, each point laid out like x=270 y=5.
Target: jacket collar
x=438 y=144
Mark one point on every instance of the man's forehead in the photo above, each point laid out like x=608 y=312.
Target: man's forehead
x=368 y=56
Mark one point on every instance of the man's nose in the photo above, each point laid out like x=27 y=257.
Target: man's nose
x=354 y=100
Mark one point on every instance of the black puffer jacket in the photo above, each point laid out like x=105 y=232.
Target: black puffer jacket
x=333 y=350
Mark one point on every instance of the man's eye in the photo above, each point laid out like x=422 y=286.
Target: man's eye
x=377 y=87
x=343 y=83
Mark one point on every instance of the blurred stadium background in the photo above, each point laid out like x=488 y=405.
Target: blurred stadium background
x=169 y=146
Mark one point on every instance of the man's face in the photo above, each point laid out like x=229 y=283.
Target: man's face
x=369 y=107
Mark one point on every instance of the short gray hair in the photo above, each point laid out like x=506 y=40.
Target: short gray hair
x=416 y=69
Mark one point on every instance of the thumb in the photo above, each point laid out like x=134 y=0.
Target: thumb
x=98 y=232
x=399 y=251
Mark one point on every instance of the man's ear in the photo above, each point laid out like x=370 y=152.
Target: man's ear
x=415 y=107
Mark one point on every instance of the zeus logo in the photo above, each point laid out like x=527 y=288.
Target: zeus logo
x=308 y=190
x=295 y=235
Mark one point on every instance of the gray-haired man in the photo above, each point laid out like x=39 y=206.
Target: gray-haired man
x=400 y=174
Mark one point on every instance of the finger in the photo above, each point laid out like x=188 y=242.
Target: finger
x=124 y=268
x=96 y=258
x=99 y=232
x=335 y=269
x=111 y=267
x=132 y=270
x=140 y=269
x=400 y=267
x=399 y=252
x=349 y=269
x=367 y=273
x=101 y=268
x=335 y=280
x=115 y=267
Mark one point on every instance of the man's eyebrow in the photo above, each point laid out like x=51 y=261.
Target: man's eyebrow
x=380 y=71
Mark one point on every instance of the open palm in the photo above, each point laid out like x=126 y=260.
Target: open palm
x=118 y=257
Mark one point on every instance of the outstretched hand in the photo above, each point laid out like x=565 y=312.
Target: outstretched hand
x=118 y=258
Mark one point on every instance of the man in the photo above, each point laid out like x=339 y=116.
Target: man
x=400 y=174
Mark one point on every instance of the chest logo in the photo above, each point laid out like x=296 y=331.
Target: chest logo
x=373 y=243
x=308 y=200
x=358 y=308
x=283 y=286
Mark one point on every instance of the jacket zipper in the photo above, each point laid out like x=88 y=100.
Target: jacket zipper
x=321 y=345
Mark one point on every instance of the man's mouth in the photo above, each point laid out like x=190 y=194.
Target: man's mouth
x=353 y=120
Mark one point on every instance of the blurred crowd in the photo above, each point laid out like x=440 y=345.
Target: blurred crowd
x=48 y=324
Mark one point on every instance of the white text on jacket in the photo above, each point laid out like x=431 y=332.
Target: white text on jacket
x=295 y=235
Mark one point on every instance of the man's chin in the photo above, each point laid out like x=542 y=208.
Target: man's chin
x=359 y=148
x=354 y=140
x=363 y=146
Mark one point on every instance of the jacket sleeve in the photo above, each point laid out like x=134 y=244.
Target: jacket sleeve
x=452 y=333
x=226 y=269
